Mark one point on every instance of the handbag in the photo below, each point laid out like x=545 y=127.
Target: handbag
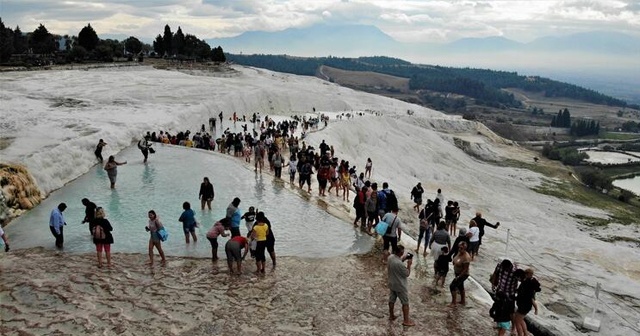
x=151 y=150
x=162 y=233
x=383 y=227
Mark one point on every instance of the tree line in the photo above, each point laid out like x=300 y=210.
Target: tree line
x=484 y=85
x=41 y=44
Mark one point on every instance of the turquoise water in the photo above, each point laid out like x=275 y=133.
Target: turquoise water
x=171 y=177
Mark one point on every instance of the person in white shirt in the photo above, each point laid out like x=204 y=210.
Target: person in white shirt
x=474 y=238
x=440 y=196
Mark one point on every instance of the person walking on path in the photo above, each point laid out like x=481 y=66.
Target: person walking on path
x=154 y=239
x=102 y=236
x=394 y=232
x=367 y=167
x=481 y=222
x=397 y=274
x=207 y=193
x=56 y=223
x=416 y=196
x=461 y=264
x=98 y=151
x=441 y=204
x=112 y=169
x=526 y=299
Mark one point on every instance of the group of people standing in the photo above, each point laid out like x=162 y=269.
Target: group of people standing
x=259 y=238
x=437 y=220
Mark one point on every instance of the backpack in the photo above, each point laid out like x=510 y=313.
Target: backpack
x=392 y=200
x=306 y=169
x=98 y=232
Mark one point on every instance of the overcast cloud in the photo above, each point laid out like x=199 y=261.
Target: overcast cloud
x=404 y=20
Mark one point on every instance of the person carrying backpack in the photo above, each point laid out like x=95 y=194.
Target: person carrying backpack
x=102 y=237
x=389 y=199
x=394 y=231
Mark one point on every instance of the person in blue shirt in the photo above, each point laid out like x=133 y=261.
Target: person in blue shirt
x=188 y=219
x=233 y=213
x=56 y=222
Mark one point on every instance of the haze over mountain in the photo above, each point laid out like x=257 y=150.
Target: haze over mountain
x=602 y=60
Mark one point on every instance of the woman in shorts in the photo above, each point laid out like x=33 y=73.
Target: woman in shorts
x=154 y=240
x=103 y=241
x=367 y=168
x=474 y=238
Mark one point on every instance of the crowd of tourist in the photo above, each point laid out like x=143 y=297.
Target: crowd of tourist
x=376 y=213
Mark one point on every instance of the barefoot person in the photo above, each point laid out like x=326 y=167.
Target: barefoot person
x=102 y=236
x=154 y=239
x=233 y=248
x=397 y=281
x=98 y=151
x=260 y=232
x=89 y=213
x=188 y=219
x=56 y=223
x=207 y=194
x=112 y=169
x=212 y=236
x=526 y=299
x=461 y=269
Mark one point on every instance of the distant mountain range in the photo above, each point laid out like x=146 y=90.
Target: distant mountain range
x=366 y=40
x=602 y=60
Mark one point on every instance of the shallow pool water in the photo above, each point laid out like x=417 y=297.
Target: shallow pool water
x=171 y=177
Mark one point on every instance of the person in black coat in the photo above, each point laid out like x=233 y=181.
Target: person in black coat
x=482 y=223
x=102 y=236
x=206 y=193
x=89 y=213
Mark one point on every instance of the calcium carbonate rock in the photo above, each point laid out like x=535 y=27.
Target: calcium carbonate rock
x=19 y=191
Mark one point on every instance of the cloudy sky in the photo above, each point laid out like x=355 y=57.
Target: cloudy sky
x=404 y=20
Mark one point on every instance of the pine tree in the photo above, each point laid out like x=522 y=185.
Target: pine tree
x=41 y=41
x=566 y=118
x=167 y=38
x=6 y=42
x=20 y=44
x=87 y=38
x=158 y=45
x=178 y=42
